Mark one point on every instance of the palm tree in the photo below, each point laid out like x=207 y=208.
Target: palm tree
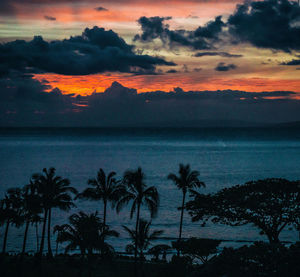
x=85 y=232
x=105 y=248
x=31 y=208
x=11 y=207
x=36 y=220
x=141 y=238
x=185 y=181
x=134 y=189
x=57 y=229
x=102 y=188
x=55 y=193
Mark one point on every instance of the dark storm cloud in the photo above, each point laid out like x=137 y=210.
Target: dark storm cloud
x=27 y=102
x=292 y=62
x=268 y=24
x=221 y=54
x=203 y=37
x=225 y=67
x=50 y=18
x=95 y=51
x=101 y=9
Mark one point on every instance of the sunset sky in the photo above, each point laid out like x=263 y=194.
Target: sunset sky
x=82 y=47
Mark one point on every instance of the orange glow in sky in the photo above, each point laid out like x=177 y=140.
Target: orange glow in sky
x=86 y=85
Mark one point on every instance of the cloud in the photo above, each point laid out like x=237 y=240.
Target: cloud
x=270 y=24
x=292 y=62
x=95 y=51
x=221 y=54
x=28 y=102
x=225 y=67
x=50 y=18
x=172 y=71
x=203 y=37
x=152 y=28
x=117 y=91
x=101 y=9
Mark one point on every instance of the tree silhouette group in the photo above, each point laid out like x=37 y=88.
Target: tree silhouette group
x=271 y=205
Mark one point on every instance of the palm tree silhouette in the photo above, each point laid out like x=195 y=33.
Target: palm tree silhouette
x=105 y=248
x=55 y=193
x=134 y=189
x=11 y=208
x=36 y=220
x=185 y=181
x=102 y=188
x=141 y=238
x=31 y=208
x=57 y=229
x=85 y=232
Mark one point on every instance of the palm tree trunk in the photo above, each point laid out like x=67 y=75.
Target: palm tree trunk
x=25 y=238
x=37 y=237
x=181 y=221
x=43 y=232
x=136 y=231
x=49 y=234
x=5 y=237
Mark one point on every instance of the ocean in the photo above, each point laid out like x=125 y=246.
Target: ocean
x=223 y=156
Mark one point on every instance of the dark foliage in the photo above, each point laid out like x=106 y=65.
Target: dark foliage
x=269 y=204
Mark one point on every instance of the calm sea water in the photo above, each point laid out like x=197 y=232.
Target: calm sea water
x=224 y=157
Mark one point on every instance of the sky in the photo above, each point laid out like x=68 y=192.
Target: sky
x=225 y=59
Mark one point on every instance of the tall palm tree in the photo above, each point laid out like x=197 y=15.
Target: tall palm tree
x=142 y=238
x=31 y=208
x=11 y=211
x=55 y=192
x=85 y=232
x=186 y=181
x=36 y=220
x=136 y=191
x=102 y=188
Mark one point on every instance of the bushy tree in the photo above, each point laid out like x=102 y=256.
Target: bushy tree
x=269 y=204
x=197 y=248
x=260 y=260
x=87 y=233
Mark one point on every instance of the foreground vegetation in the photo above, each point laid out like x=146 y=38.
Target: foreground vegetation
x=271 y=205
x=258 y=260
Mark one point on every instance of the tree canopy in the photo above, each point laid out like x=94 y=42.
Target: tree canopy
x=269 y=204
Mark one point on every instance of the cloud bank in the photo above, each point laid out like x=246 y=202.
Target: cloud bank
x=26 y=102
x=95 y=51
